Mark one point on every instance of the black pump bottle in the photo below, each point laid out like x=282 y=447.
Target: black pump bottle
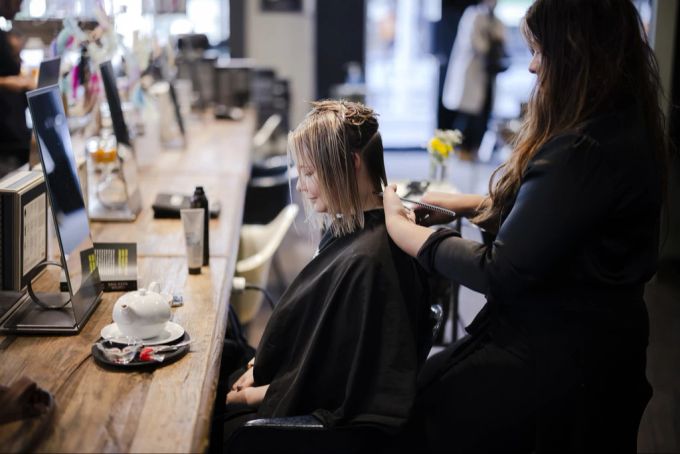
x=199 y=200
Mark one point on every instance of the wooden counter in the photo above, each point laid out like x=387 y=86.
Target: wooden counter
x=164 y=237
x=169 y=409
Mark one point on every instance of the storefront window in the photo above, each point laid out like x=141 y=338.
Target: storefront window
x=401 y=73
x=645 y=9
x=514 y=85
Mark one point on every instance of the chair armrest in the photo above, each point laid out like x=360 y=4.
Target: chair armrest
x=292 y=434
x=306 y=435
x=305 y=422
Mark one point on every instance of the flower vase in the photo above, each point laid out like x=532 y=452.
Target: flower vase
x=438 y=171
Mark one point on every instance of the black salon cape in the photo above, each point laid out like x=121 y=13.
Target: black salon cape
x=347 y=338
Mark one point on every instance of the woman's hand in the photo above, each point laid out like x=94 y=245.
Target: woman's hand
x=462 y=204
x=251 y=396
x=400 y=223
x=17 y=83
x=245 y=381
x=393 y=207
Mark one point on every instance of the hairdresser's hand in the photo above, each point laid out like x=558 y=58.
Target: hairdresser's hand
x=245 y=381
x=401 y=225
x=252 y=396
x=442 y=199
x=393 y=206
x=429 y=218
x=465 y=205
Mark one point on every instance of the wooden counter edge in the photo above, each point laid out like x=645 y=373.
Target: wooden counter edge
x=201 y=435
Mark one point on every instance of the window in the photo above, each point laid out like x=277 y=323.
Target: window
x=401 y=73
x=202 y=16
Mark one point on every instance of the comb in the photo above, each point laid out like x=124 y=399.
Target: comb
x=427 y=206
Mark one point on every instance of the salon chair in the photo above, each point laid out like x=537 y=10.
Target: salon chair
x=306 y=434
x=269 y=141
x=257 y=246
x=192 y=42
x=268 y=189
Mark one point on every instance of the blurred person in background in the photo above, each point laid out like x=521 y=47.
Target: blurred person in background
x=475 y=60
x=15 y=136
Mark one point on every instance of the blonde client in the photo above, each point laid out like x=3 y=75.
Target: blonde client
x=347 y=338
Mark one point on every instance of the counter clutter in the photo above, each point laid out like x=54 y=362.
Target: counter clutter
x=167 y=409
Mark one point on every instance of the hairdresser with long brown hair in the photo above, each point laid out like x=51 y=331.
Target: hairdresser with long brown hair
x=555 y=361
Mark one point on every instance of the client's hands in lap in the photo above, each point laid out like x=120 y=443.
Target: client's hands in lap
x=244 y=392
x=245 y=381
x=252 y=396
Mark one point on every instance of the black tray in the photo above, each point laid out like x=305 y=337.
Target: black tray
x=170 y=357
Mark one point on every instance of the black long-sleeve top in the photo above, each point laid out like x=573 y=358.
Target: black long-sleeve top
x=582 y=233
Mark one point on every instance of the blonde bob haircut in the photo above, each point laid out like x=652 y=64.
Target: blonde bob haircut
x=326 y=140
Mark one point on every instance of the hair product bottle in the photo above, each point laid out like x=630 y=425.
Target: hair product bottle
x=199 y=200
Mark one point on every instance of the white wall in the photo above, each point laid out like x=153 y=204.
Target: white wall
x=285 y=42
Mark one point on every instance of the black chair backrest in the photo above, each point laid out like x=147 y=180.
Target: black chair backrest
x=196 y=41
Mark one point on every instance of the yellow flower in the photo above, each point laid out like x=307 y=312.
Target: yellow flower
x=438 y=146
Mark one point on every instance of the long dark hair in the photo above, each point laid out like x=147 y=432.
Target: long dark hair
x=594 y=57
